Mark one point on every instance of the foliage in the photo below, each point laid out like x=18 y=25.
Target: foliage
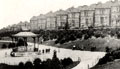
x=21 y=43
x=37 y=63
x=11 y=45
x=4 y=46
x=28 y=65
x=21 y=65
x=110 y=56
x=66 y=62
x=93 y=48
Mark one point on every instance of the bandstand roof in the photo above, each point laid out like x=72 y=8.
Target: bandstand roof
x=25 y=33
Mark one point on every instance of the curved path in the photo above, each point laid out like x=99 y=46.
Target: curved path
x=88 y=59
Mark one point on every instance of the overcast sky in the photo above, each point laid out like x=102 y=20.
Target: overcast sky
x=14 y=11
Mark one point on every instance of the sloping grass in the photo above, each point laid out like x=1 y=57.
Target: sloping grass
x=99 y=43
x=110 y=65
x=72 y=65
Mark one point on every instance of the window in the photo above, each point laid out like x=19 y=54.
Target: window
x=73 y=23
x=86 y=13
x=102 y=20
x=102 y=11
x=86 y=22
x=70 y=15
x=118 y=9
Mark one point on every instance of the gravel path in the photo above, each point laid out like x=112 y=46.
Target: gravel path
x=88 y=59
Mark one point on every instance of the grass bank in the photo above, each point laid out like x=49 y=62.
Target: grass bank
x=99 y=43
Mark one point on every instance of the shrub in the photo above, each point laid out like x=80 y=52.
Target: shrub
x=107 y=49
x=86 y=36
x=93 y=48
x=66 y=62
x=37 y=61
x=110 y=56
x=62 y=41
x=11 y=45
x=116 y=54
x=28 y=65
x=4 y=46
x=55 y=63
x=118 y=35
x=56 y=41
x=69 y=60
x=48 y=63
x=21 y=65
x=107 y=58
x=44 y=65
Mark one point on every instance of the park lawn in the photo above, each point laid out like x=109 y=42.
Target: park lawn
x=78 y=43
x=99 y=43
x=72 y=65
x=109 y=65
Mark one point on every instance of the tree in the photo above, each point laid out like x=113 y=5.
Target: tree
x=11 y=45
x=48 y=63
x=93 y=48
x=21 y=65
x=55 y=61
x=66 y=62
x=37 y=63
x=28 y=65
x=4 y=46
x=107 y=49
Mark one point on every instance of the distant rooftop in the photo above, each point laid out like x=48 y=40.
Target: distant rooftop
x=61 y=12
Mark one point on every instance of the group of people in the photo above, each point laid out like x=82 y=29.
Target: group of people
x=43 y=51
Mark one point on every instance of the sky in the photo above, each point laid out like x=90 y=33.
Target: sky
x=14 y=11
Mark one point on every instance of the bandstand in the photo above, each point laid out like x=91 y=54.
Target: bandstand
x=25 y=48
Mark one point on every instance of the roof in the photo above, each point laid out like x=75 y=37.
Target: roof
x=116 y=3
x=25 y=34
x=50 y=14
x=61 y=12
x=85 y=7
x=72 y=9
x=108 y=4
x=41 y=16
x=34 y=18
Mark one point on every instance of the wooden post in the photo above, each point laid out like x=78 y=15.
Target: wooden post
x=25 y=40
x=38 y=43
x=34 y=42
x=27 y=44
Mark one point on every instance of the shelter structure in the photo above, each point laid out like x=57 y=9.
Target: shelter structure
x=25 y=34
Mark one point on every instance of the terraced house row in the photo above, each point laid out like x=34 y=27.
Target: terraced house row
x=100 y=15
